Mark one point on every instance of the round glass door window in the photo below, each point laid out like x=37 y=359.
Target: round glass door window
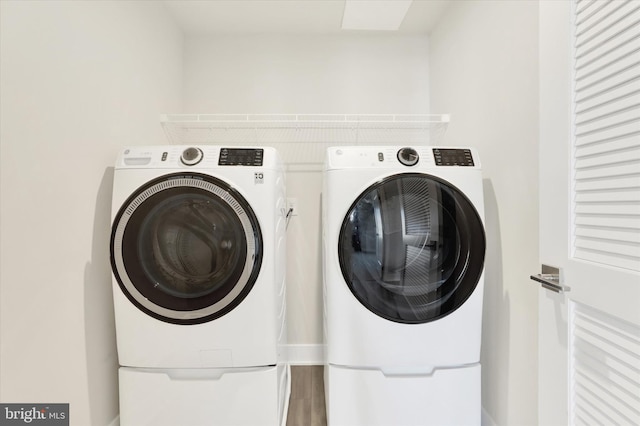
x=186 y=248
x=412 y=248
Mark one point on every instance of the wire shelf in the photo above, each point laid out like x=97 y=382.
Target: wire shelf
x=302 y=139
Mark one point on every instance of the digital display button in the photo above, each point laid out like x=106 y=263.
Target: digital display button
x=453 y=157
x=241 y=157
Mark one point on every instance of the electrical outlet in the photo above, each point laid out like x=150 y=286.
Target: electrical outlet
x=292 y=205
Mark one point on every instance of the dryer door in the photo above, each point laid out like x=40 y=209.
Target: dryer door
x=186 y=248
x=411 y=248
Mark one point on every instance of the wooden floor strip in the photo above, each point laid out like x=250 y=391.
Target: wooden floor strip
x=306 y=405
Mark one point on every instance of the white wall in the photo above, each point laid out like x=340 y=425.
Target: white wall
x=484 y=72
x=292 y=73
x=306 y=74
x=78 y=81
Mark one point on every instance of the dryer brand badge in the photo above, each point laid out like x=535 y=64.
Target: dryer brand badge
x=258 y=177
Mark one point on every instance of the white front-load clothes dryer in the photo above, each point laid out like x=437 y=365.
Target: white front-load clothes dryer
x=404 y=248
x=197 y=255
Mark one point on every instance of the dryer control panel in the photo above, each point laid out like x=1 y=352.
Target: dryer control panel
x=453 y=157
x=405 y=158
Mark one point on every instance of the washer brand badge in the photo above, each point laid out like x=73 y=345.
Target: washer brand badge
x=258 y=177
x=34 y=414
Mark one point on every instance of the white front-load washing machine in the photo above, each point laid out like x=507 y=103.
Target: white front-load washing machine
x=198 y=261
x=404 y=248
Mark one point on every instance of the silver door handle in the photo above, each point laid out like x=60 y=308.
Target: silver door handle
x=550 y=279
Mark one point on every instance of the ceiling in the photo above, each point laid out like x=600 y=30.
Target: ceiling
x=200 y=17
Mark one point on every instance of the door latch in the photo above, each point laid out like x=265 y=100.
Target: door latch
x=550 y=279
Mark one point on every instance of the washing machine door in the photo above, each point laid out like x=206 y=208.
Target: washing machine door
x=411 y=248
x=186 y=248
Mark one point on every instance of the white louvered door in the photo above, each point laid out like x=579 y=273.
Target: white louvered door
x=589 y=336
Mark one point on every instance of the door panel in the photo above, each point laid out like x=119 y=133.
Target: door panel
x=581 y=331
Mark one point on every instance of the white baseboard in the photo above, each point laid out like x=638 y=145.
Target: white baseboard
x=305 y=354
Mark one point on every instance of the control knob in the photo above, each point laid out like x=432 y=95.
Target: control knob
x=408 y=156
x=191 y=156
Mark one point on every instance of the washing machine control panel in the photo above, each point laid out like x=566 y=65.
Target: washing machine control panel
x=241 y=157
x=189 y=157
x=453 y=157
